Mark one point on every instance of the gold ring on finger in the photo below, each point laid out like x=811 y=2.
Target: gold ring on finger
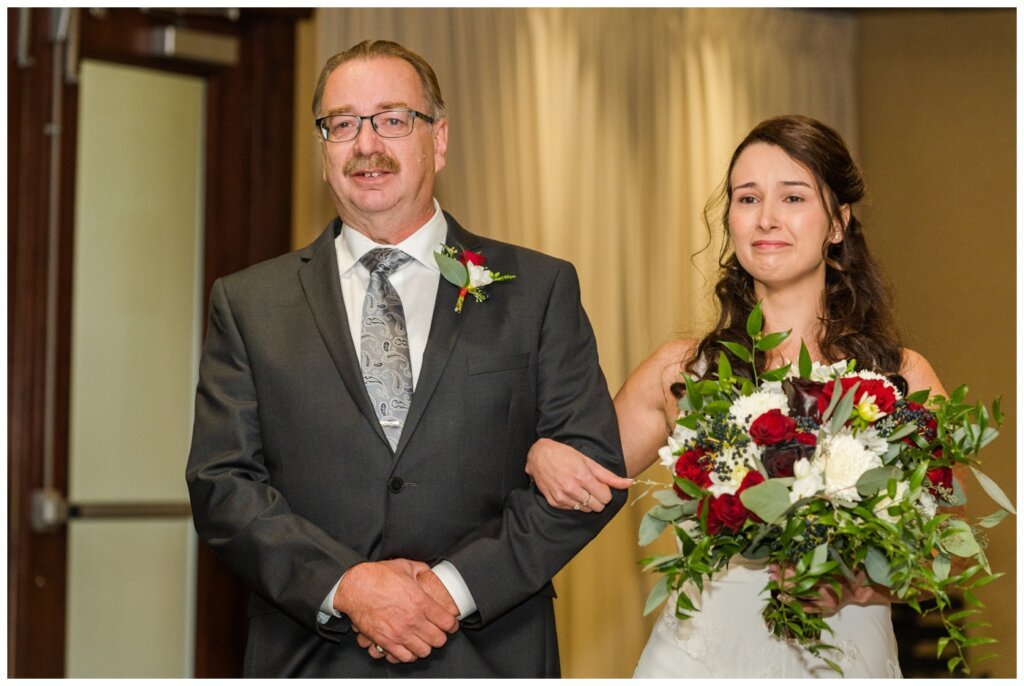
x=380 y=651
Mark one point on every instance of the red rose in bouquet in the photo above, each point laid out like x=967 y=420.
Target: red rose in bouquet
x=689 y=466
x=727 y=511
x=772 y=427
x=885 y=394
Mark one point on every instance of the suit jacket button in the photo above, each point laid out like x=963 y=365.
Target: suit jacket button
x=395 y=484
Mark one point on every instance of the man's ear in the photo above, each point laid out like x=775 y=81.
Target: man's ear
x=440 y=134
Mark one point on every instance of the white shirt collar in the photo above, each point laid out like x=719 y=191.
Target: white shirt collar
x=421 y=245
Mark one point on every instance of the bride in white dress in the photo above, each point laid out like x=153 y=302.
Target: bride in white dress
x=795 y=245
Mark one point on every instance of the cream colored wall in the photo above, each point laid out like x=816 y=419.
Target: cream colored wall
x=937 y=145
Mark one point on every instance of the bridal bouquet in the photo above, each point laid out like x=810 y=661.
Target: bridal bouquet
x=830 y=473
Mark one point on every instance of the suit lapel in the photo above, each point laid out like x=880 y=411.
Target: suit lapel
x=320 y=282
x=444 y=332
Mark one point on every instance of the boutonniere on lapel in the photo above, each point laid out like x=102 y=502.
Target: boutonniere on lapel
x=466 y=271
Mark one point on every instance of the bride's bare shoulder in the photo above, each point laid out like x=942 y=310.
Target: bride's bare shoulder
x=666 y=363
x=919 y=373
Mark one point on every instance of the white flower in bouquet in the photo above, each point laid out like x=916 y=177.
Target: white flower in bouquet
x=668 y=454
x=845 y=459
x=882 y=508
x=809 y=480
x=823 y=373
x=747 y=408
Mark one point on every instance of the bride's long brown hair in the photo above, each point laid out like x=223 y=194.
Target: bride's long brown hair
x=857 y=320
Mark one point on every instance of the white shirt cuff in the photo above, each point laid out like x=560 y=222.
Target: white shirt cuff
x=452 y=580
x=327 y=607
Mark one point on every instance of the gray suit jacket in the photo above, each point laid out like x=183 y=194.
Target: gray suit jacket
x=292 y=480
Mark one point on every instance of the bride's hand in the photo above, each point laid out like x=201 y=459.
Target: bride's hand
x=827 y=602
x=568 y=479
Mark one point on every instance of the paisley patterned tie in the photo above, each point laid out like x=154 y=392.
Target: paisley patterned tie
x=384 y=343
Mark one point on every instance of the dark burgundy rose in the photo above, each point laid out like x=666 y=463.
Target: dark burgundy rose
x=772 y=427
x=804 y=397
x=942 y=481
x=689 y=466
x=778 y=459
x=729 y=511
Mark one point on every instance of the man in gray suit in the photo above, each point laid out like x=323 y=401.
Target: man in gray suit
x=359 y=445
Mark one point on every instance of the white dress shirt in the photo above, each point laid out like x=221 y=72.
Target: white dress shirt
x=416 y=283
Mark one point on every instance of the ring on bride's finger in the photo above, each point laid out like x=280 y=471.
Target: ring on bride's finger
x=577 y=506
x=380 y=651
x=585 y=502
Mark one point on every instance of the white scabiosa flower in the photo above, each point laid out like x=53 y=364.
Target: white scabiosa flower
x=809 y=480
x=873 y=442
x=731 y=466
x=845 y=459
x=747 y=408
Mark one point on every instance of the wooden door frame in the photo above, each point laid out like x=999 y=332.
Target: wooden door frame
x=248 y=175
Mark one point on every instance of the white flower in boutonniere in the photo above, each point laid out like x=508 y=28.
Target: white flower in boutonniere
x=466 y=271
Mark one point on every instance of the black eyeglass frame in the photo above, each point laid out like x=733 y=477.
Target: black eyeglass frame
x=359 y=123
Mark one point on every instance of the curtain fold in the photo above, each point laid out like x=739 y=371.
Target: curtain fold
x=598 y=135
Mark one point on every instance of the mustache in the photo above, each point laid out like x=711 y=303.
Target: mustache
x=378 y=161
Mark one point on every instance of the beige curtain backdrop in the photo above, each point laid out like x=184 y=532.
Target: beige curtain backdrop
x=597 y=135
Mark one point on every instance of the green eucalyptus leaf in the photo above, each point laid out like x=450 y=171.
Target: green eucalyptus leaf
x=987 y=436
x=959 y=540
x=940 y=566
x=769 y=500
x=755 y=321
x=993 y=519
x=958 y=497
x=666 y=513
x=667 y=497
x=658 y=595
x=993 y=491
x=876 y=564
x=738 y=350
x=650 y=529
x=874 y=480
x=452 y=270
x=805 y=363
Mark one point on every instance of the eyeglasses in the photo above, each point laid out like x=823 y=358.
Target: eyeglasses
x=338 y=128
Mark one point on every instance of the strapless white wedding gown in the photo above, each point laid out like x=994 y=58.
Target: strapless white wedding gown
x=728 y=638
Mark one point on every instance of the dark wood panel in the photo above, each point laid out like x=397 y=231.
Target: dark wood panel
x=248 y=209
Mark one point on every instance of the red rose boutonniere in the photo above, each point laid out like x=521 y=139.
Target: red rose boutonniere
x=466 y=270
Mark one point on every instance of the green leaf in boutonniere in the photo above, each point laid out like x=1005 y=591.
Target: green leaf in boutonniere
x=466 y=271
